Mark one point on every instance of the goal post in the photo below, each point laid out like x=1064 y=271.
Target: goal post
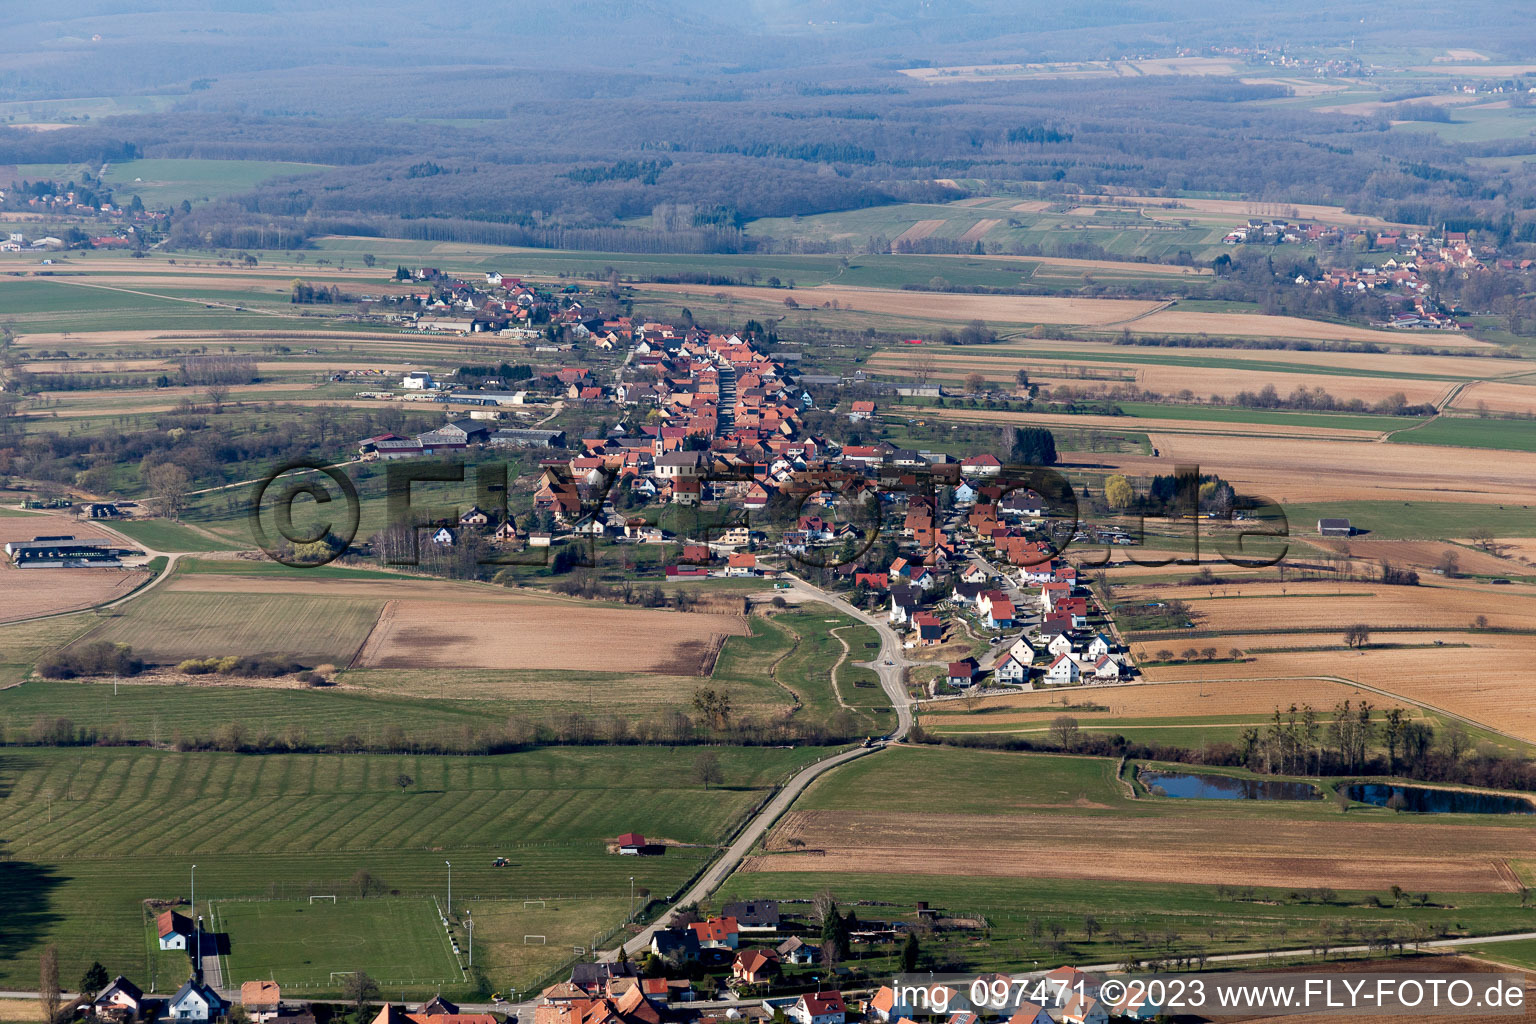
x=313 y=898
x=534 y=940
x=530 y=903
x=341 y=974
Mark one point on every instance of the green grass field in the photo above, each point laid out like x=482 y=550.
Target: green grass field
x=1224 y=414
x=168 y=626
x=1413 y=520
x=1520 y=953
x=90 y=833
x=164 y=535
x=298 y=943
x=164 y=183
x=1465 y=432
x=1046 y=919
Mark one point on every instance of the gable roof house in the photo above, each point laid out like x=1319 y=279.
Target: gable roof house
x=175 y=930
x=717 y=933
x=680 y=945
x=1063 y=671
x=755 y=966
x=261 y=999
x=1011 y=671
x=795 y=950
x=930 y=628
x=195 y=1001
x=962 y=673
x=818 y=1008
x=121 y=998
x=754 y=916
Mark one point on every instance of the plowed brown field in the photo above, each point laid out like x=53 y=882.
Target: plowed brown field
x=1165 y=849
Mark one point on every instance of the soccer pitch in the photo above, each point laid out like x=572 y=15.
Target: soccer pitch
x=299 y=944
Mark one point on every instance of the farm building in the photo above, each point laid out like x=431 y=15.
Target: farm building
x=1335 y=528
x=631 y=844
x=63 y=552
x=529 y=438
x=175 y=930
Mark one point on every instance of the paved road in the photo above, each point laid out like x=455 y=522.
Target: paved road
x=892 y=664
x=890 y=667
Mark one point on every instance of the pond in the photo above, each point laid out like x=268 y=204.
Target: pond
x=1199 y=786
x=1427 y=800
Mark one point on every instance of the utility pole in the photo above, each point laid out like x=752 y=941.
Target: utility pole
x=631 y=897
x=194 y=889
x=469 y=923
x=450 y=888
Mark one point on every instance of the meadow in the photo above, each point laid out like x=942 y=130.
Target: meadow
x=165 y=183
x=91 y=833
x=972 y=827
x=177 y=622
x=299 y=943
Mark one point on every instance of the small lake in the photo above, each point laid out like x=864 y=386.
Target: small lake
x=1199 y=786
x=1427 y=800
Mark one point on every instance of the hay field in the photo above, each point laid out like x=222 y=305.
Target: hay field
x=1204 y=381
x=978 y=230
x=1256 y=698
x=1258 y=325
x=1337 y=470
x=940 y=306
x=1169 y=426
x=1497 y=396
x=176 y=622
x=1172 y=848
x=1424 y=554
x=1248 y=208
x=1241 y=607
x=918 y=231
x=1034 y=309
x=1482 y=677
x=427 y=624
x=427 y=634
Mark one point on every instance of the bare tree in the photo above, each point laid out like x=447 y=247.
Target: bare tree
x=1357 y=636
x=1065 y=731
x=168 y=485
x=360 y=990
x=706 y=768
x=48 y=995
x=217 y=395
x=404 y=781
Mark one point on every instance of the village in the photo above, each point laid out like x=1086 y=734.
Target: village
x=758 y=962
x=955 y=551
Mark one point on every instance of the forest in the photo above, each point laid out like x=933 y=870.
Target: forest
x=644 y=151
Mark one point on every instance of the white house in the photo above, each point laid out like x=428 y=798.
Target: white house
x=1063 y=671
x=1010 y=671
x=195 y=1001
x=818 y=1008
x=1023 y=652
x=443 y=537
x=417 y=380
x=175 y=930
x=122 y=996
x=1106 y=669
x=1084 y=1009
